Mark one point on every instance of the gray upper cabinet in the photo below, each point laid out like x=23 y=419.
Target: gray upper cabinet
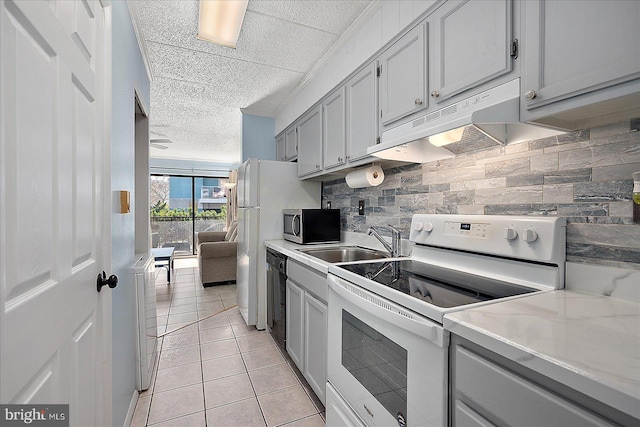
x=362 y=112
x=403 y=77
x=291 y=143
x=310 y=142
x=280 y=148
x=333 y=116
x=576 y=47
x=469 y=44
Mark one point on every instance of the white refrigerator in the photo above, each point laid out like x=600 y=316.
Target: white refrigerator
x=265 y=188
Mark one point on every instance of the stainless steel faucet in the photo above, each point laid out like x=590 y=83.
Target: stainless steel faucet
x=394 y=247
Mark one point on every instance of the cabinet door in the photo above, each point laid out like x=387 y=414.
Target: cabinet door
x=362 y=112
x=469 y=45
x=310 y=142
x=280 y=148
x=315 y=350
x=295 y=323
x=333 y=117
x=563 y=60
x=403 y=76
x=291 y=143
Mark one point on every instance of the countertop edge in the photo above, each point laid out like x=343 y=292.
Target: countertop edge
x=541 y=363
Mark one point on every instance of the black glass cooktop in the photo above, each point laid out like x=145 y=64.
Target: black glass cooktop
x=439 y=286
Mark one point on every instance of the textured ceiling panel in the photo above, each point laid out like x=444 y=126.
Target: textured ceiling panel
x=231 y=81
x=200 y=87
x=331 y=16
x=263 y=39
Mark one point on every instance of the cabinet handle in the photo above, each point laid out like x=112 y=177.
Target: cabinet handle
x=317 y=166
x=435 y=94
x=530 y=94
x=418 y=101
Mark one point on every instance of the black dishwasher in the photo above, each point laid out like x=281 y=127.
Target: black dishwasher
x=276 y=296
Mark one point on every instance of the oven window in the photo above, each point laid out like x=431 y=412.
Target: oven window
x=378 y=363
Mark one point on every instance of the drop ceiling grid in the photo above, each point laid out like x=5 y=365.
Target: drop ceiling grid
x=199 y=87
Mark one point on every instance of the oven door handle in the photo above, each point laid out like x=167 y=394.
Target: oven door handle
x=378 y=307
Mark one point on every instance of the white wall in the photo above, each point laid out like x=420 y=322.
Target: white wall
x=129 y=74
x=389 y=19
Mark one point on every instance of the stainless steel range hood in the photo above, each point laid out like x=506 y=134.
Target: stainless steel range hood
x=490 y=118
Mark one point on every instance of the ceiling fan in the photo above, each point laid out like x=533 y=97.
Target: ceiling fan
x=157 y=143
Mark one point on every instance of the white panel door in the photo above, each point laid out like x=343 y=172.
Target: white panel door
x=55 y=333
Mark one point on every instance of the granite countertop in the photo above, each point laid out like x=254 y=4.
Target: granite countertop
x=588 y=342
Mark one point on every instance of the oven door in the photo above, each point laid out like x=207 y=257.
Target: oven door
x=386 y=361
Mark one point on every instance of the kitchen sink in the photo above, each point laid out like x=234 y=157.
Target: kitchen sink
x=345 y=253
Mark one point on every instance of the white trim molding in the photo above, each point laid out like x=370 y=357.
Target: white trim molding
x=137 y=29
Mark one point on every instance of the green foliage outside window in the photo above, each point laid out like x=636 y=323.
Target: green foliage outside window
x=160 y=210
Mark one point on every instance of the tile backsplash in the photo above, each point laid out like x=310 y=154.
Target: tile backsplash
x=584 y=176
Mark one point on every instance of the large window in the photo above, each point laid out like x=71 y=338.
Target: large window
x=181 y=206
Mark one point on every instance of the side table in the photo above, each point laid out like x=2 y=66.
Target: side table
x=163 y=255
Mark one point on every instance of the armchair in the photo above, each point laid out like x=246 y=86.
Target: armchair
x=218 y=255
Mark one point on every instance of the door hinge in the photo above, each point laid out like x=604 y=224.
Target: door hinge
x=378 y=70
x=378 y=140
x=514 y=49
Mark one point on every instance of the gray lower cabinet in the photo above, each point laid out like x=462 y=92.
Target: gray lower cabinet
x=402 y=81
x=488 y=390
x=295 y=323
x=574 y=47
x=315 y=350
x=469 y=44
x=310 y=142
x=307 y=324
x=362 y=112
x=334 y=126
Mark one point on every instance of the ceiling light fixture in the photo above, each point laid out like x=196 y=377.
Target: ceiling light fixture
x=220 y=21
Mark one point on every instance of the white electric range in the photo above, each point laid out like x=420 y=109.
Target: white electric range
x=387 y=350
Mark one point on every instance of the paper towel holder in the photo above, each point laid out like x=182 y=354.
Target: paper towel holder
x=368 y=176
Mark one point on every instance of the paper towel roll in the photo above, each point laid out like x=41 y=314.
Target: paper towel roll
x=366 y=177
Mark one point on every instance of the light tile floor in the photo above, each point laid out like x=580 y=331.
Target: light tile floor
x=218 y=372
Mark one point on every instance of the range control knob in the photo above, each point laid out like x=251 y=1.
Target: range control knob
x=418 y=226
x=529 y=235
x=428 y=227
x=510 y=233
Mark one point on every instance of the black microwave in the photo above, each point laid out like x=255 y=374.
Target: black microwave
x=307 y=226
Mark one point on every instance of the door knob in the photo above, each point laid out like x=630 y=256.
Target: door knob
x=112 y=281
